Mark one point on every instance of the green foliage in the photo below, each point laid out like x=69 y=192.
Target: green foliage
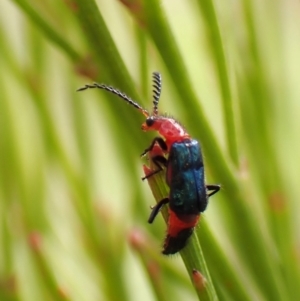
x=73 y=210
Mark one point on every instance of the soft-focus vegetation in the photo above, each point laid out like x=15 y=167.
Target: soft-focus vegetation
x=73 y=210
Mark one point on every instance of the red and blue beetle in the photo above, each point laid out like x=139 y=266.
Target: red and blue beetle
x=181 y=155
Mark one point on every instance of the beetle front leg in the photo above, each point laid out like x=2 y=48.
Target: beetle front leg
x=156 y=152
x=214 y=188
x=160 y=141
x=156 y=209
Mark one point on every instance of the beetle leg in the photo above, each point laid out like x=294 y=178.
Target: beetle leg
x=214 y=187
x=156 y=152
x=156 y=209
x=158 y=161
x=160 y=141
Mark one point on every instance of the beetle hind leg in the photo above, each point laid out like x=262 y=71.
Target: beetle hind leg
x=156 y=209
x=214 y=188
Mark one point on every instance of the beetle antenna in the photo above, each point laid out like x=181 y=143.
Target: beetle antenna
x=116 y=92
x=156 y=78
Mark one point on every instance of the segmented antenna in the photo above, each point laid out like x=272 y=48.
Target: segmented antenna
x=116 y=92
x=156 y=78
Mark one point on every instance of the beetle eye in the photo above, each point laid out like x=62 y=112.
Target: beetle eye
x=150 y=121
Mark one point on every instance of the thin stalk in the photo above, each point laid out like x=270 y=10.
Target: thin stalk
x=58 y=39
x=210 y=18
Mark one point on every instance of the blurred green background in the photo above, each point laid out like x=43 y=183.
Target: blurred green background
x=73 y=210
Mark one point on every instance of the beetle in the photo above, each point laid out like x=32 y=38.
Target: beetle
x=181 y=156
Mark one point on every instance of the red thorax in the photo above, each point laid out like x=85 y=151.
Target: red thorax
x=168 y=128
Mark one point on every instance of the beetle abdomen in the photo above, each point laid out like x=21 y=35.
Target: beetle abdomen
x=180 y=228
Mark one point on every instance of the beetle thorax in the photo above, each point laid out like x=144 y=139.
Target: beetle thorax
x=171 y=130
x=167 y=127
